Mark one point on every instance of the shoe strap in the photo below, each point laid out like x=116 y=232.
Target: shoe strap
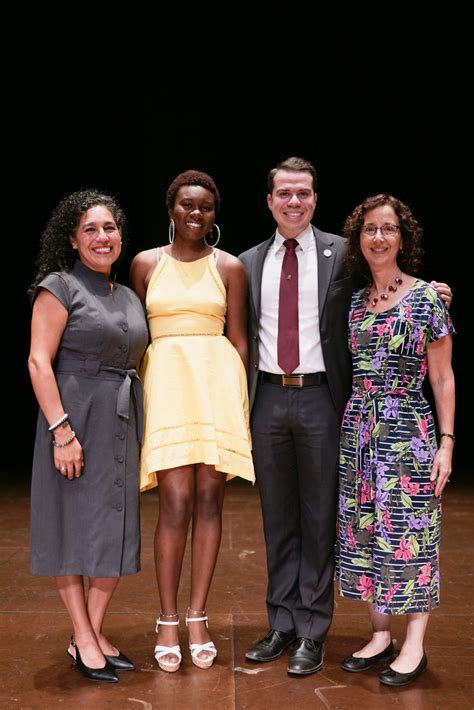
x=165 y=623
x=189 y=619
x=161 y=651
x=196 y=648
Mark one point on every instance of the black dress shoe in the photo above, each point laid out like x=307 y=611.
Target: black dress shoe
x=306 y=657
x=105 y=674
x=270 y=647
x=390 y=677
x=353 y=664
x=120 y=662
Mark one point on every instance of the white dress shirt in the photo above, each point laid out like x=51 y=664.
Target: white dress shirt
x=311 y=355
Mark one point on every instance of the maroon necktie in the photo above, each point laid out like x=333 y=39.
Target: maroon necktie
x=288 y=331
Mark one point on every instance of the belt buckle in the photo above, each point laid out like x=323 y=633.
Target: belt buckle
x=289 y=380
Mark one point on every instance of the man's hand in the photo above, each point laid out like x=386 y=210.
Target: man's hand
x=444 y=291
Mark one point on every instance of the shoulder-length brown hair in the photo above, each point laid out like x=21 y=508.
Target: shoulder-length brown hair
x=409 y=257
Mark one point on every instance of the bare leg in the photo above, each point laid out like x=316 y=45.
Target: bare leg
x=100 y=594
x=380 y=634
x=71 y=590
x=207 y=530
x=176 y=489
x=412 y=650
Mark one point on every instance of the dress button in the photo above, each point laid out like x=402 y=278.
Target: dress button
x=123 y=347
x=119 y=459
x=121 y=436
x=119 y=482
x=119 y=508
x=255 y=367
x=124 y=327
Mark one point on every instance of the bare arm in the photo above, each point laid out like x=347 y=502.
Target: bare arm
x=235 y=278
x=444 y=291
x=141 y=270
x=47 y=327
x=442 y=383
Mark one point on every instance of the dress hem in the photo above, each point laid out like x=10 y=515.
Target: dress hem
x=94 y=575
x=222 y=468
x=429 y=607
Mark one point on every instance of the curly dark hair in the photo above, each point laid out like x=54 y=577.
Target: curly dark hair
x=55 y=251
x=294 y=165
x=192 y=177
x=408 y=259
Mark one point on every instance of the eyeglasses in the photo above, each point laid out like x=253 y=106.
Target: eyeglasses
x=388 y=230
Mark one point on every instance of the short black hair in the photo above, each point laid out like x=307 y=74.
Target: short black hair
x=192 y=177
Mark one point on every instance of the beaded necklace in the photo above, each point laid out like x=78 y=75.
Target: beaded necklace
x=384 y=296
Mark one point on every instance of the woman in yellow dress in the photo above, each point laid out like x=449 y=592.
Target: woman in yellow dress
x=196 y=407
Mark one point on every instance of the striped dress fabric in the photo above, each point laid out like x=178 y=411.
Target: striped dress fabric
x=389 y=518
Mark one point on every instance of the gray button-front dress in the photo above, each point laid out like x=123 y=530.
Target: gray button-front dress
x=91 y=525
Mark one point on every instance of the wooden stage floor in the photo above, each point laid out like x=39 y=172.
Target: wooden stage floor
x=36 y=672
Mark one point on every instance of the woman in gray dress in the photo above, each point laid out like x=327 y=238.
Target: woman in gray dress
x=88 y=335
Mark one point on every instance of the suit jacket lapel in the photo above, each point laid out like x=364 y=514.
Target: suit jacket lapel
x=256 y=275
x=326 y=259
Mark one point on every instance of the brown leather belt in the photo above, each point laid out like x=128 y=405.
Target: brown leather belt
x=309 y=380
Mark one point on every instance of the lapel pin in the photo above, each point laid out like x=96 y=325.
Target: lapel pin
x=327 y=252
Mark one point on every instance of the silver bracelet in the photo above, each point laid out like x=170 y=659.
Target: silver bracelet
x=62 y=419
x=65 y=443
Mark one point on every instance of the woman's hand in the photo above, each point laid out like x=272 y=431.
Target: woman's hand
x=69 y=460
x=441 y=378
x=442 y=467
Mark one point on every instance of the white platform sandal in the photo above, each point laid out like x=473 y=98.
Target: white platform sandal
x=160 y=651
x=197 y=648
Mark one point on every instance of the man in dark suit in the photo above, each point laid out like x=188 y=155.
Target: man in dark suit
x=299 y=383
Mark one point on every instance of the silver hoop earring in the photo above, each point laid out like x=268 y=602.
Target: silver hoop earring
x=171 y=231
x=211 y=234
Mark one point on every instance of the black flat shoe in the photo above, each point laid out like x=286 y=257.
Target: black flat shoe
x=390 y=677
x=354 y=664
x=106 y=674
x=270 y=647
x=306 y=657
x=120 y=662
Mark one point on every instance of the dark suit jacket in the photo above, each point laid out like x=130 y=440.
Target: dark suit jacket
x=334 y=289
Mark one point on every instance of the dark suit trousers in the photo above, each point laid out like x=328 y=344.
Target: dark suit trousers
x=295 y=435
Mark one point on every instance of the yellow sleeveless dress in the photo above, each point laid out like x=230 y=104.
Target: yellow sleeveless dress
x=195 y=385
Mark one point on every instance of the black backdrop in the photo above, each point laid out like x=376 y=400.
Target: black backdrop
x=124 y=103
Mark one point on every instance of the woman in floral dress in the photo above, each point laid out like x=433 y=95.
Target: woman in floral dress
x=392 y=471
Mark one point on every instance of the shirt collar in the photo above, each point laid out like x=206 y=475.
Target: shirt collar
x=96 y=279
x=305 y=240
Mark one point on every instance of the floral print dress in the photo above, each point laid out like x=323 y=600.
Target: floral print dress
x=389 y=518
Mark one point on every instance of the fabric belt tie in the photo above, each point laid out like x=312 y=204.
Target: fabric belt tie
x=309 y=380
x=123 y=397
x=91 y=368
